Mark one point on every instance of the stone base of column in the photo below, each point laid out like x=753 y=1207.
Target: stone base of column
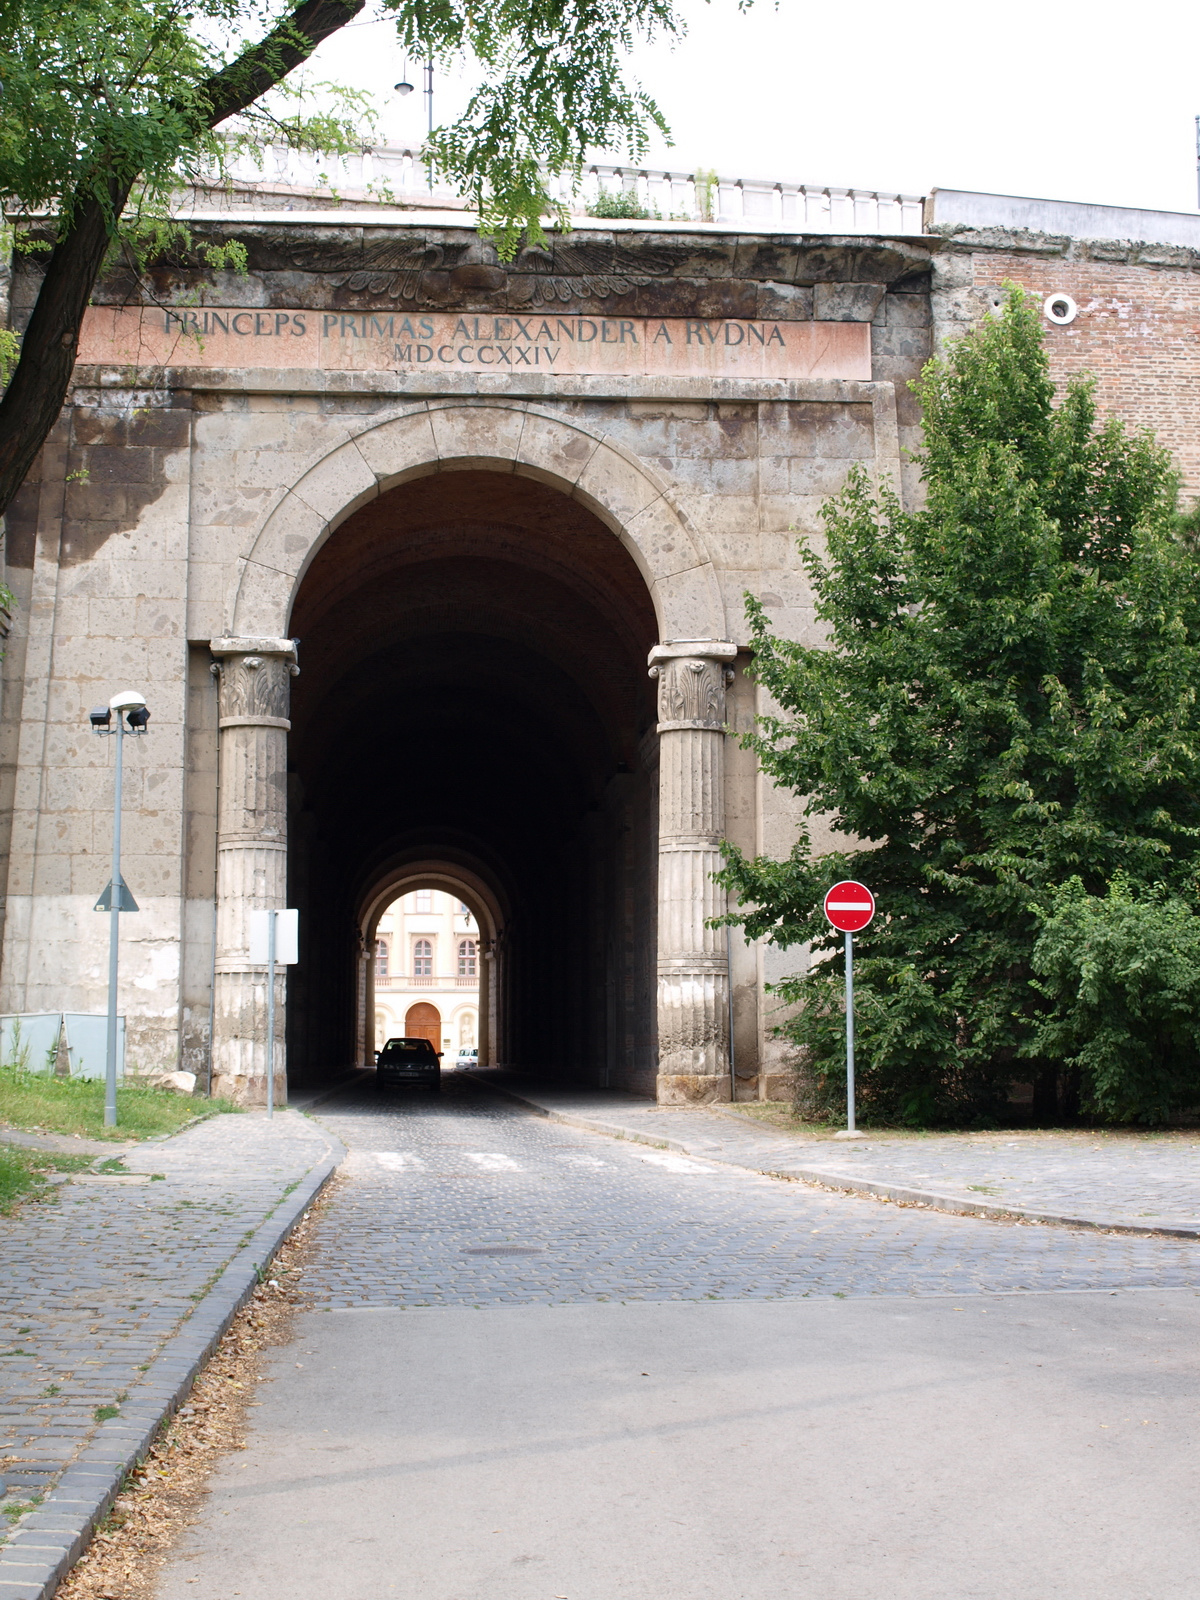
x=692 y=1088
x=240 y=1042
x=776 y=1086
x=249 y=1091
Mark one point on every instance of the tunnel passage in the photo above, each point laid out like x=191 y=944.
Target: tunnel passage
x=473 y=693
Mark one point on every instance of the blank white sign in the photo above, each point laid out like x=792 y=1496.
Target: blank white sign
x=287 y=937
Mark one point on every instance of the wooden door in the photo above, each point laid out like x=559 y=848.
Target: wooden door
x=424 y=1022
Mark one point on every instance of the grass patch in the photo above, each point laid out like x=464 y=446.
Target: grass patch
x=15 y=1509
x=76 y=1105
x=24 y=1173
x=779 y=1114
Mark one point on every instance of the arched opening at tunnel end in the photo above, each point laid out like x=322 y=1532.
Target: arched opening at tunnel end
x=432 y=935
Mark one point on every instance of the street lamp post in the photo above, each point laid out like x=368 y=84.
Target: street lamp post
x=404 y=88
x=116 y=898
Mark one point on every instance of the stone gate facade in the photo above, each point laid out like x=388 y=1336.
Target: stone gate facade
x=431 y=569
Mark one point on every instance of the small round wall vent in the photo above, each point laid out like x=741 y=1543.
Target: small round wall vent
x=1060 y=308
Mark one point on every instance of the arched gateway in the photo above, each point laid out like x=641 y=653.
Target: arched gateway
x=468 y=583
x=501 y=496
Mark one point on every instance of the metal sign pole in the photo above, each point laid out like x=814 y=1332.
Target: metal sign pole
x=114 y=938
x=271 y=915
x=850 y=1033
x=729 y=1013
x=849 y=907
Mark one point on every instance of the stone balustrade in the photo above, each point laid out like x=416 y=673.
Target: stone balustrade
x=379 y=175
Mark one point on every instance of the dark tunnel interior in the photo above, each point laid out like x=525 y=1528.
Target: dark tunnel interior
x=473 y=691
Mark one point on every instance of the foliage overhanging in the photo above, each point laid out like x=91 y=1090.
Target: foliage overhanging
x=106 y=106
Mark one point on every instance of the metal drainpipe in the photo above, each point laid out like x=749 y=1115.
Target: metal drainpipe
x=212 y=983
x=729 y=987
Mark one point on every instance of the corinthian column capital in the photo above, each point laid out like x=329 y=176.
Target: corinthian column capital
x=255 y=678
x=692 y=677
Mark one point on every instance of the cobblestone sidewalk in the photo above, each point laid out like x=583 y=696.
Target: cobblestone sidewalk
x=95 y=1280
x=1147 y=1182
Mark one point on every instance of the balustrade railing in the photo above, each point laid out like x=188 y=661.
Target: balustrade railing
x=758 y=202
x=402 y=980
x=398 y=174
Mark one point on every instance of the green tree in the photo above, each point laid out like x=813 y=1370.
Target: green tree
x=1008 y=702
x=106 y=105
x=1122 y=973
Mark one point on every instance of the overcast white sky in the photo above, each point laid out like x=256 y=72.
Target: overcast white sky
x=1072 y=101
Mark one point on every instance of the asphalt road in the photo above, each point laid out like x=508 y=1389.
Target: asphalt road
x=544 y=1364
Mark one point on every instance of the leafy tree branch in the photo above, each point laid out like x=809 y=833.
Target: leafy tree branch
x=132 y=98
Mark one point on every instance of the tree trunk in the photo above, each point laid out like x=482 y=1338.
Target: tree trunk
x=1045 y=1094
x=35 y=396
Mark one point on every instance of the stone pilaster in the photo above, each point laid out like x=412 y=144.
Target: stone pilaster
x=693 y=979
x=255 y=683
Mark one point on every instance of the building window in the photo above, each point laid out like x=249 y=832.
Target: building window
x=464 y=909
x=423 y=959
x=424 y=899
x=381 y=958
x=466 y=958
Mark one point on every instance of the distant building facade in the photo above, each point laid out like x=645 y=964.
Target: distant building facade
x=426 y=971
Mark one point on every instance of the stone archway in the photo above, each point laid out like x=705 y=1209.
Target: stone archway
x=690 y=663
x=623 y=492
x=470 y=882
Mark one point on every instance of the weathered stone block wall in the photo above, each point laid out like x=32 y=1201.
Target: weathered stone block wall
x=101 y=564
x=128 y=546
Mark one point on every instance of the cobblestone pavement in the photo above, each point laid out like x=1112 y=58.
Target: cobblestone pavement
x=1136 y=1179
x=1142 y=1179
x=93 y=1280
x=472 y=1201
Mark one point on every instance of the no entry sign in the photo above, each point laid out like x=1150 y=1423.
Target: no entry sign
x=849 y=906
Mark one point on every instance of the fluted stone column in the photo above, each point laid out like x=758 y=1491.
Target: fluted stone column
x=255 y=681
x=364 y=1052
x=693 y=979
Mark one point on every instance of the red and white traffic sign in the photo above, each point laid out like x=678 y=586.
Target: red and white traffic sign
x=849 y=906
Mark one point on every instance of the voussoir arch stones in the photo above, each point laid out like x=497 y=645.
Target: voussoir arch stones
x=622 y=491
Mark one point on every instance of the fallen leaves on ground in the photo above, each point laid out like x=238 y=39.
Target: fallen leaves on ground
x=164 y=1496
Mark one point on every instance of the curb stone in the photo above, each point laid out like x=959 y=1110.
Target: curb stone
x=47 y=1542
x=873 y=1188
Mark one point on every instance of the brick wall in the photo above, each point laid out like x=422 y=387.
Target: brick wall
x=1137 y=332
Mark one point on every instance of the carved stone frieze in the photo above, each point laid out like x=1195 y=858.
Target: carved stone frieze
x=424 y=274
x=393 y=269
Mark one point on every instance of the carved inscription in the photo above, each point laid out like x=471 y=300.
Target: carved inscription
x=415 y=342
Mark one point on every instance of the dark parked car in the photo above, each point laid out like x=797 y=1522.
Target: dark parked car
x=409 y=1061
